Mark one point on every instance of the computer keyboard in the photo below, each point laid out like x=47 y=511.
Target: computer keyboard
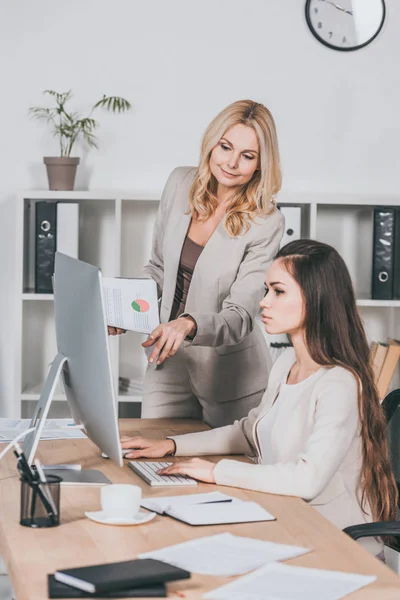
x=148 y=472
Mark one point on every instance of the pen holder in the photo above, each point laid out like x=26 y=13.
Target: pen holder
x=40 y=502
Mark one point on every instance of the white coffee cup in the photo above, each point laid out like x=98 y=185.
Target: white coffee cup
x=120 y=500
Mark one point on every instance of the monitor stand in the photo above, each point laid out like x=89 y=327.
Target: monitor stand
x=69 y=476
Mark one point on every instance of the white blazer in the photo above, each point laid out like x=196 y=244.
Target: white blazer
x=316 y=450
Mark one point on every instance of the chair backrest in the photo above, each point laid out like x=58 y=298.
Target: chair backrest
x=391 y=407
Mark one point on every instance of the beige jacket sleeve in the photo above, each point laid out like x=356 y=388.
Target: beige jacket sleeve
x=155 y=267
x=223 y=440
x=335 y=428
x=237 y=317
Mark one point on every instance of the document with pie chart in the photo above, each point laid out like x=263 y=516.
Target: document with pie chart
x=131 y=303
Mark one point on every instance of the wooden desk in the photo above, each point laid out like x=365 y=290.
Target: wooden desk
x=32 y=553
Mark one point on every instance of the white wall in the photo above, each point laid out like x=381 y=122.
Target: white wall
x=179 y=62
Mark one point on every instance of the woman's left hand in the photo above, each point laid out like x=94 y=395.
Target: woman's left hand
x=167 y=338
x=200 y=469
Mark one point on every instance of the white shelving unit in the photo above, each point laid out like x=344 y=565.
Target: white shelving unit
x=115 y=234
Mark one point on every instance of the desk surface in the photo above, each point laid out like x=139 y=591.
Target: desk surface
x=30 y=554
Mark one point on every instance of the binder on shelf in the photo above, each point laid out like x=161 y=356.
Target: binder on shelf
x=383 y=253
x=45 y=245
x=396 y=265
x=377 y=359
x=388 y=368
x=372 y=352
x=68 y=228
x=29 y=246
x=292 y=216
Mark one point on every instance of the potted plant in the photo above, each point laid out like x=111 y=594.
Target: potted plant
x=68 y=127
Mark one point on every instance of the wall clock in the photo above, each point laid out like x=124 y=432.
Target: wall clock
x=345 y=24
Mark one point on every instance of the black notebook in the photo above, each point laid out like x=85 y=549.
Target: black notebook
x=112 y=577
x=56 y=589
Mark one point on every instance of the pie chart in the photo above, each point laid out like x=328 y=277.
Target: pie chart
x=140 y=306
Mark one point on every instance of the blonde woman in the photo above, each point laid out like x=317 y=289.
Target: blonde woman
x=216 y=232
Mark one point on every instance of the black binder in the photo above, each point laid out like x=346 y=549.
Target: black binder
x=396 y=263
x=112 y=577
x=45 y=246
x=383 y=253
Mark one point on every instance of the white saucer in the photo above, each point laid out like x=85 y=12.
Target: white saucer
x=141 y=517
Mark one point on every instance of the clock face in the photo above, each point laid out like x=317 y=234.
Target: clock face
x=345 y=24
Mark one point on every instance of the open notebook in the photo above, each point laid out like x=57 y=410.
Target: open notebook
x=213 y=508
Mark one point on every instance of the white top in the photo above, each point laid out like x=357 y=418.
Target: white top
x=284 y=404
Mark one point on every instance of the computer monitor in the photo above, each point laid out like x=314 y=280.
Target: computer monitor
x=83 y=359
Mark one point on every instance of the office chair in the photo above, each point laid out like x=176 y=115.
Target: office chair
x=391 y=407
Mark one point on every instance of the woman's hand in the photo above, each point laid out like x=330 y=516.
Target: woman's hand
x=167 y=338
x=147 y=448
x=200 y=469
x=115 y=330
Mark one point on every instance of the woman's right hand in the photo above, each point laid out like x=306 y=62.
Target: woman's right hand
x=115 y=330
x=147 y=448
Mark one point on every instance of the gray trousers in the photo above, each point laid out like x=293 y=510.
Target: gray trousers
x=169 y=394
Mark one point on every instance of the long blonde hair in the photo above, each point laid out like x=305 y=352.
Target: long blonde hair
x=255 y=197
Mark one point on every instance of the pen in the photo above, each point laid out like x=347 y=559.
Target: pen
x=217 y=501
x=46 y=490
x=22 y=470
x=22 y=464
x=33 y=503
x=37 y=490
x=32 y=478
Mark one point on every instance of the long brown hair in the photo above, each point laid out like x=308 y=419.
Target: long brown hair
x=255 y=197
x=335 y=336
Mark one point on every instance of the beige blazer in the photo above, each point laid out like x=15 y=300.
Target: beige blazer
x=316 y=450
x=227 y=358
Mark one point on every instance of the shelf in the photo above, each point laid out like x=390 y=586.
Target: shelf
x=33 y=296
x=378 y=303
x=360 y=302
x=129 y=398
x=90 y=195
x=31 y=397
x=115 y=234
x=338 y=199
x=34 y=397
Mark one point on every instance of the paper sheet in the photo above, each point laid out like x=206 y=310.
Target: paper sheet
x=131 y=303
x=224 y=554
x=283 y=582
x=54 y=429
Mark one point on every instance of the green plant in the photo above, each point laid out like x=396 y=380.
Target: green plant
x=68 y=126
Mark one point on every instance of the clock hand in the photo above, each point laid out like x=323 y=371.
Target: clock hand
x=348 y=12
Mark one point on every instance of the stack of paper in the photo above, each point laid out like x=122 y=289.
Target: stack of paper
x=224 y=554
x=54 y=429
x=283 y=582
